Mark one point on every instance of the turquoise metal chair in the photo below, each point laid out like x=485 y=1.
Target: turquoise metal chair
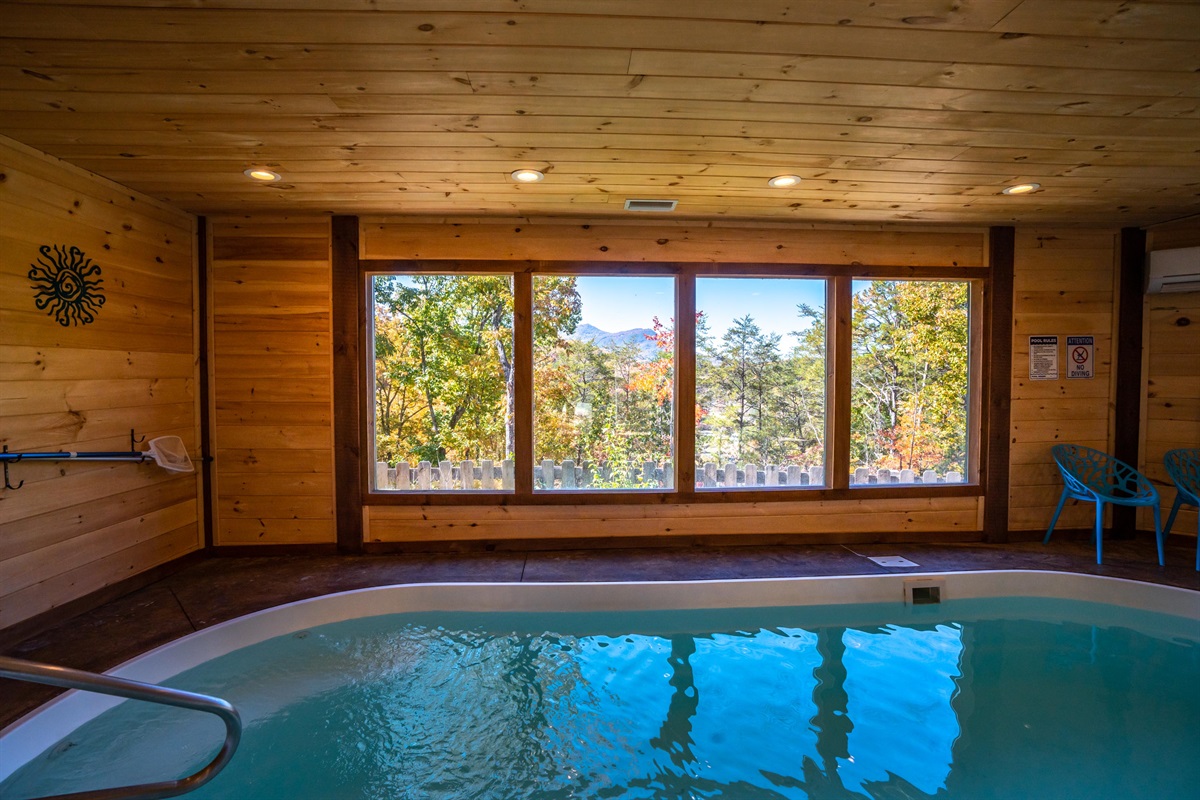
x=1099 y=478
x=1183 y=465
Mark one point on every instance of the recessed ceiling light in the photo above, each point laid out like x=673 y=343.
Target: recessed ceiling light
x=260 y=174
x=783 y=181
x=1022 y=188
x=527 y=176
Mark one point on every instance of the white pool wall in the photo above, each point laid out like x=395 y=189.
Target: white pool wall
x=31 y=735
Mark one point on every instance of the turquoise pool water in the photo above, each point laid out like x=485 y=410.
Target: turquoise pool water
x=970 y=699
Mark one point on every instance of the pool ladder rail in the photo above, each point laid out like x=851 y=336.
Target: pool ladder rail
x=21 y=670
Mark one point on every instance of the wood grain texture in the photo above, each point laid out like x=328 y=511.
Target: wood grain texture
x=1059 y=275
x=441 y=523
x=74 y=528
x=1172 y=395
x=998 y=347
x=1171 y=370
x=665 y=240
x=349 y=391
x=1128 y=331
x=891 y=111
x=272 y=368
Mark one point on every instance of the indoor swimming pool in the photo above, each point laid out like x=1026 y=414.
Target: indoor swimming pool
x=1016 y=685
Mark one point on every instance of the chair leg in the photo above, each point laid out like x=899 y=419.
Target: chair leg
x=1099 y=532
x=1174 y=511
x=1159 y=535
x=1061 y=502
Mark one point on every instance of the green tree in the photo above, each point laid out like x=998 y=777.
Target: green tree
x=609 y=407
x=740 y=373
x=909 y=375
x=444 y=343
x=801 y=406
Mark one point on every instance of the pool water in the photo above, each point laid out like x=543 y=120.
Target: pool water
x=970 y=699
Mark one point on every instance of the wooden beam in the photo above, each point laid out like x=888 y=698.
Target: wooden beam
x=348 y=433
x=523 y=383
x=998 y=372
x=839 y=302
x=685 y=384
x=1128 y=395
x=203 y=369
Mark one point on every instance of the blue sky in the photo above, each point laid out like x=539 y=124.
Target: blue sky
x=617 y=303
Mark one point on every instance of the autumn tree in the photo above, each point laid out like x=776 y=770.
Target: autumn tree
x=909 y=375
x=444 y=378
x=609 y=407
x=447 y=340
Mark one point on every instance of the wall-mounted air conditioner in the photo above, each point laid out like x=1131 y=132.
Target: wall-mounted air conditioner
x=1175 y=270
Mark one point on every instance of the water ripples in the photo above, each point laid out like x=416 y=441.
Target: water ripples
x=523 y=706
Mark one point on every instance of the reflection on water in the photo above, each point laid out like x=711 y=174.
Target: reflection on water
x=674 y=737
x=831 y=722
x=782 y=703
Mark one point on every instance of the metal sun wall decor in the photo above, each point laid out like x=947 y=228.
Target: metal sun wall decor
x=67 y=285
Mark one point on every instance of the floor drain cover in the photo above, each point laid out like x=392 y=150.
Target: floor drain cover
x=893 y=561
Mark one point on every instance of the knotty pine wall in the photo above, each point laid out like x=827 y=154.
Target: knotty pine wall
x=1064 y=285
x=272 y=369
x=1171 y=399
x=76 y=528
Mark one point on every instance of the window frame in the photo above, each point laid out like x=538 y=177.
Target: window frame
x=838 y=277
x=975 y=376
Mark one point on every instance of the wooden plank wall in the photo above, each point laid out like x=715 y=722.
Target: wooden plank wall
x=272 y=381
x=659 y=240
x=1064 y=286
x=76 y=528
x=834 y=520
x=665 y=241
x=1171 y=402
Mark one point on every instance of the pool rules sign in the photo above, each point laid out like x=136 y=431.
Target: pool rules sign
x=1081 y=356
x=1043 y=358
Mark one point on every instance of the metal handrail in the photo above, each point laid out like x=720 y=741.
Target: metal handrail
x=31 y=671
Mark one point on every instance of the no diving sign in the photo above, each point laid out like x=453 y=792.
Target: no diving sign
x=1081 y=353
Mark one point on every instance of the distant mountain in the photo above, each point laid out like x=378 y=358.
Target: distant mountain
x=642 y=338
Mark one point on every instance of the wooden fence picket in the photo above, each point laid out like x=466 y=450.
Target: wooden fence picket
x=487 y=475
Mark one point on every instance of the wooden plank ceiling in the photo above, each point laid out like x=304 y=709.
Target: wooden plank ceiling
x=888 y=109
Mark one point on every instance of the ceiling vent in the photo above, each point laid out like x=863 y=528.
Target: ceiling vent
x=1175 y=270
x=650 y=205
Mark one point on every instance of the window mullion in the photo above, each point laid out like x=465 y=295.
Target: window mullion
x=975 y=382
x=523 y=383
x=839 y=359
x=685 y=383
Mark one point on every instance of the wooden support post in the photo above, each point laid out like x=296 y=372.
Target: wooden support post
x=998 y=382
x=1128 y=397
x=685 y=384
x=838 y=301
x=349 y=297
x=523 y=384
x=204 y=375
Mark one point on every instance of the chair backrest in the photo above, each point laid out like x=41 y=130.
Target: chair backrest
x=1088 y=471
x=1183 y=465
